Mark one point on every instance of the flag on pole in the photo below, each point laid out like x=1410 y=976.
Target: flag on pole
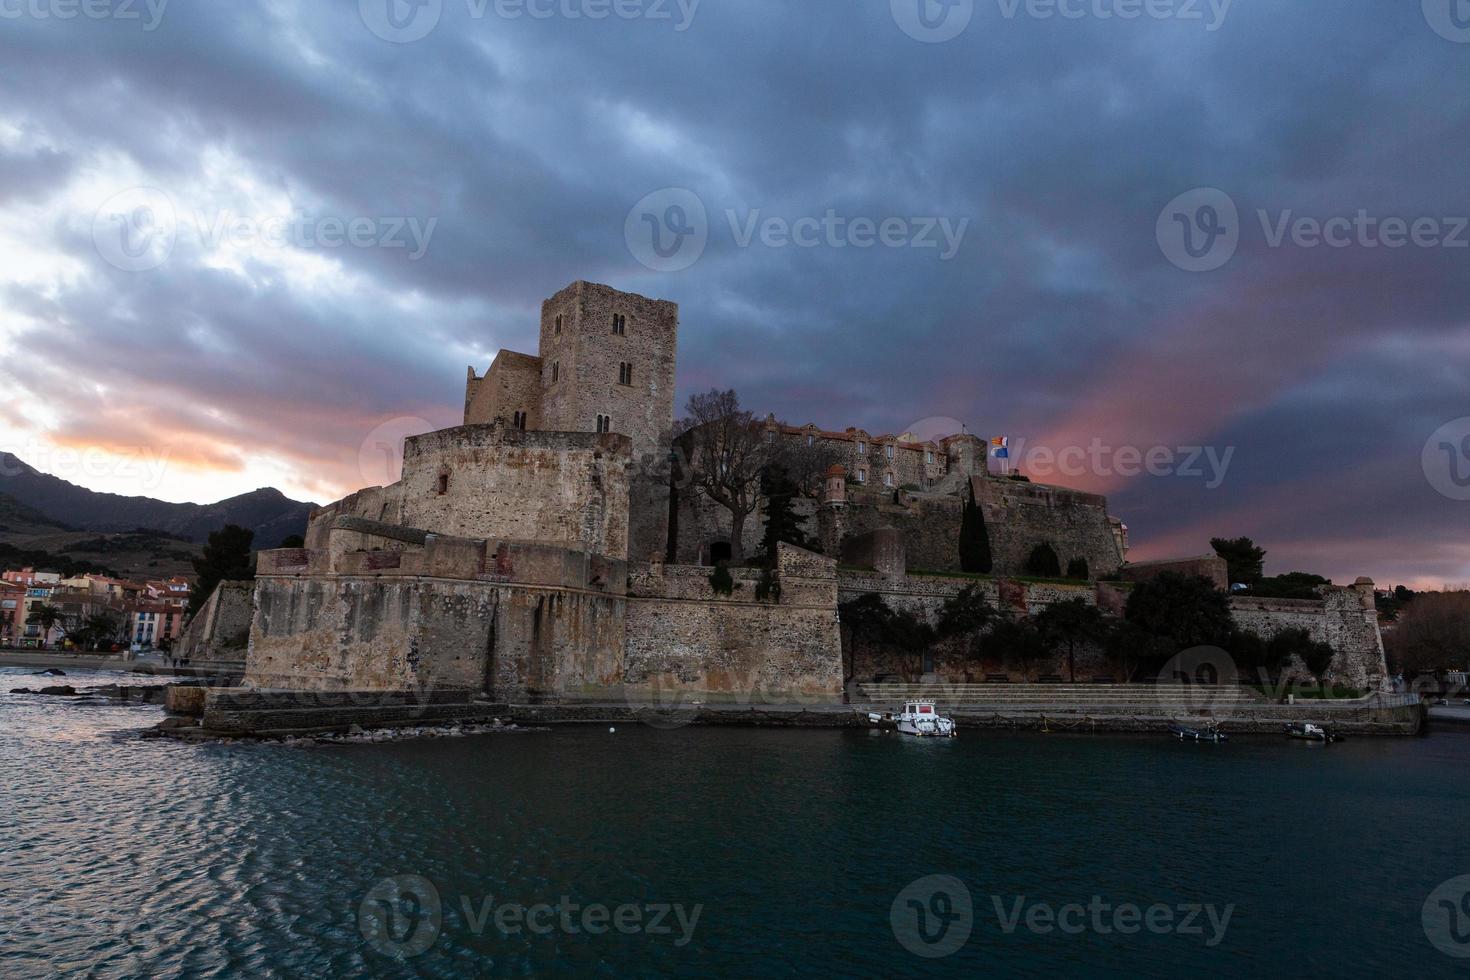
x=1002 y=448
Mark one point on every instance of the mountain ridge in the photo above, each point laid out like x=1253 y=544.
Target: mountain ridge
x=267 y=511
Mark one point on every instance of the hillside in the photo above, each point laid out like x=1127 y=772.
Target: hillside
x=39 y=497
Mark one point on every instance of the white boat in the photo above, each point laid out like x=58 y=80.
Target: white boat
x=1311 y=732
x=920 y=718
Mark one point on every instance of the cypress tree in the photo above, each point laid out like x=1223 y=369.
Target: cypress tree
x=975 y=554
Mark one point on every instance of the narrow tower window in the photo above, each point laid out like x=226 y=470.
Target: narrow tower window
x=625 y=373
x=620 y=323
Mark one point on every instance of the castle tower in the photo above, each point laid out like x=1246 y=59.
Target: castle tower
x=607 y=365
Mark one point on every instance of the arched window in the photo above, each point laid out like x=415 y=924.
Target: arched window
x=604 y=423
x=625 y=373
x=620 y=323
x=520 y=421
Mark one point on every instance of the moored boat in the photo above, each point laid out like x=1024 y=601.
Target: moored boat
x=919 y=718
x=1210 y=733
x=1311 y=733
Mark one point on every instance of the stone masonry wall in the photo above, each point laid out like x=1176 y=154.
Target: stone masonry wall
x=220 y=630
x=586 y=354
x=524 y=622
x=1344 y=618
x=513 y=384
x=1019 y=516
x=686 y=642
x=559 y=487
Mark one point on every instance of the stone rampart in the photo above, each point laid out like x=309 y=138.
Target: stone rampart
x=687 y=642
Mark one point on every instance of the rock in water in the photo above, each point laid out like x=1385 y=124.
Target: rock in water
x=65 y=691
x=52 y=672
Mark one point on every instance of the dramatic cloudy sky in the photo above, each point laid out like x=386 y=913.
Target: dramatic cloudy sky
x=176 y=320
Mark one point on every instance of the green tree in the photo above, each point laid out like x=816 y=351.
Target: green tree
x=1077 y=570
x=873 y=621
x=226 y=558
x=975 y=555
x=1183 y=611
x=292 y=541
x=721 y=581
x=45 y=616
x=1132 y=649
x=1315 y=655
x=1244 y=559
x=1043 y=562
x=1292 y=585
x=1020 y=644
x=779 y=491
x=966 y=614
x=1069 y=623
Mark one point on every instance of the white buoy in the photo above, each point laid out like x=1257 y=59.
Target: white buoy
x=611 y=730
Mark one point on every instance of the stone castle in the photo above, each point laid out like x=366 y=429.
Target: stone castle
x=545 y=551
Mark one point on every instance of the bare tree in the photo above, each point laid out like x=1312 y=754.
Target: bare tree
x=807 y=465
x=1433 y=633
x=726 y=450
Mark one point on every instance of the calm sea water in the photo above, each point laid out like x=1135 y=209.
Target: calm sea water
x=717 y=852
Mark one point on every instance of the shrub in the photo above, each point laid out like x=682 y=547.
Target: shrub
x=1043 y=562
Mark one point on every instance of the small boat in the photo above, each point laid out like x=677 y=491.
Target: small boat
x=1311 y=733
x=920 y=718
x=1210 y=733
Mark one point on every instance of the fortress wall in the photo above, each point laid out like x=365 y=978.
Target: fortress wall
x=684 y=641
x=925 y=595
x=563 y=488
x=220 y=630
x=1344 y=618
x=929 y=523
x=1019 y=516
x=513 y=384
